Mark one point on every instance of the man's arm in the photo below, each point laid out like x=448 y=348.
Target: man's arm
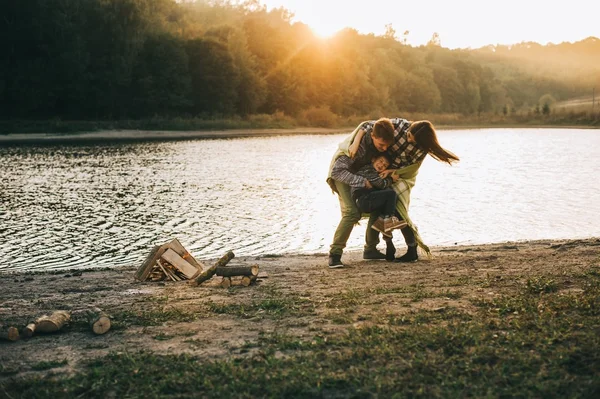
x=373 y=177
x=341 y=172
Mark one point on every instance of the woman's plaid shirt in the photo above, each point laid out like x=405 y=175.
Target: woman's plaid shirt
x=401 y=153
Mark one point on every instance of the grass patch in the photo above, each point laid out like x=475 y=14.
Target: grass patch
x=128 y=318
x=49 y=365
x=532 y=343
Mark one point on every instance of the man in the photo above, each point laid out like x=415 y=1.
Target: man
x=378 y=140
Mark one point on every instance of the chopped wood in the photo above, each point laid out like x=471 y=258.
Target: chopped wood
x=164 y=270
x=99 y=321
x=208 y=273
x=176 y=246
x=143 y=272
x=28 y=330
x=178 y=262
x=247 y=280
x=229 y=271
x=9 y=333
x=226 y=282
x=54 y=322
x=263 y=275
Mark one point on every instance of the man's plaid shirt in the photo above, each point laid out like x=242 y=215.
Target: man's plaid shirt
x=401 y=153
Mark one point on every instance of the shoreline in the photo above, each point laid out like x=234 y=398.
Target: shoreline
x=148 y=135
x=303 y=311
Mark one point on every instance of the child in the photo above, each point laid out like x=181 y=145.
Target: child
x=375 y=196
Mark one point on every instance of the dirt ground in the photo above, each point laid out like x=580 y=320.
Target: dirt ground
x=195 y=327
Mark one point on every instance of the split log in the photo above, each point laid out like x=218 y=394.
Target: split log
x=247 y=280
x=178 y=262
x=28 y=330
x=230 y=271
x=99 y=321
x=52 y=323
x=208 y=273
x=143 y=272
x=9 y=333
x=226 y=282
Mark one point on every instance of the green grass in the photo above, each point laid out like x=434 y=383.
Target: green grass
x=49 y=365
x=538 y=341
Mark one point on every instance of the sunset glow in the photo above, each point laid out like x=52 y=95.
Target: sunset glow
x=460 y=24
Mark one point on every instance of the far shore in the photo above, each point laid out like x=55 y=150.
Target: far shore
x=139 y=135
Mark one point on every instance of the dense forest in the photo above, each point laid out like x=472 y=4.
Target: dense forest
x=132 y=59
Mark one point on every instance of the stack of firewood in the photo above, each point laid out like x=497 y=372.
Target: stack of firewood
x=172 y=261
x=169 y=261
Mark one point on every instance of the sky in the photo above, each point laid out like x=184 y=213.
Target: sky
x=459 y=23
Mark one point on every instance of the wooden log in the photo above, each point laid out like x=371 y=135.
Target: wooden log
x=9 y=333
x=178 y=262
x=176 y=246
x=230 y=271
x=52 y=323
x=28 y=330
x=146 y=267
x=247 y=280
x=208 y=273
x=226 y=282
x=99 y=321
x=165 y=270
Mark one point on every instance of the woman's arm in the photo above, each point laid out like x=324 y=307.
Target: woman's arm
x=353 y=149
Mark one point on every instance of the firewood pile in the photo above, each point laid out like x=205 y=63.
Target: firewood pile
x=97 y=320
x=171 y=261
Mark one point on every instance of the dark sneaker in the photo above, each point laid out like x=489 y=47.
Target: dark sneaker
x=410 y=256
x=390 y=250
x=378 y=225
x=335 y=261
x=373 y=254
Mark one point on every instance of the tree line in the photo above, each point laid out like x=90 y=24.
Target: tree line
x=116 y=59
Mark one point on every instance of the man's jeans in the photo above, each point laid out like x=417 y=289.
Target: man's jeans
x=350 y=216
x=383 y=202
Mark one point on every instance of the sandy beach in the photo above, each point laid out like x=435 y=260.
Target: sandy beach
x=212 y=323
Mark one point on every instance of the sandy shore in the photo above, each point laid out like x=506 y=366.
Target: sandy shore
x=206 y=321
x=112 y=135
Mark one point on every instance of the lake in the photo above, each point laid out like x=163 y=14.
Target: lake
x=82 y=205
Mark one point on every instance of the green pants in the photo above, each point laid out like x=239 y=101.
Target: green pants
x=350 y=216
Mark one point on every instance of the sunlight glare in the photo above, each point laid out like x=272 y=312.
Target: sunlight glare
x=324 y=31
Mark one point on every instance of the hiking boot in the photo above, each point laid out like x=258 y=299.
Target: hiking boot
x=393 y=223
x=390 y=250
x=379 y=225
x=372 y=254
x=335 y=261
x=410 y=256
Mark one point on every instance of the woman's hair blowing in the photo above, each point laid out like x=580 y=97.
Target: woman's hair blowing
x=426 y=138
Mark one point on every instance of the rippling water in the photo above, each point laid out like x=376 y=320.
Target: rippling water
x=90 y=205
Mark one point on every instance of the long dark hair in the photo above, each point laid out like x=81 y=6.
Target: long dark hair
x=426 y=138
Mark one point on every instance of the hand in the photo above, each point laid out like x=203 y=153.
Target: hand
x=395 y=178
x=368 y=184
x=353 y=149
x=386 y=173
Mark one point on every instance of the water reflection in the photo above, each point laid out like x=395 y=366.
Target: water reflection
x=106 y=205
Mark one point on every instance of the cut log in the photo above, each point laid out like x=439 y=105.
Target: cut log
x=226 y=282
x=99 y=321
x=177 y=261
x=176 y=246
x=28 y=330
x=52 y=323
x=208 y=273
x=9 y=333
x=146 y=267
x=230 y=271
x=247 y=280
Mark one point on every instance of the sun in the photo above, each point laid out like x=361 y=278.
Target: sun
x=324 y=31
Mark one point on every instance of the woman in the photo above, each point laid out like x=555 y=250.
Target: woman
x=412 y=142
